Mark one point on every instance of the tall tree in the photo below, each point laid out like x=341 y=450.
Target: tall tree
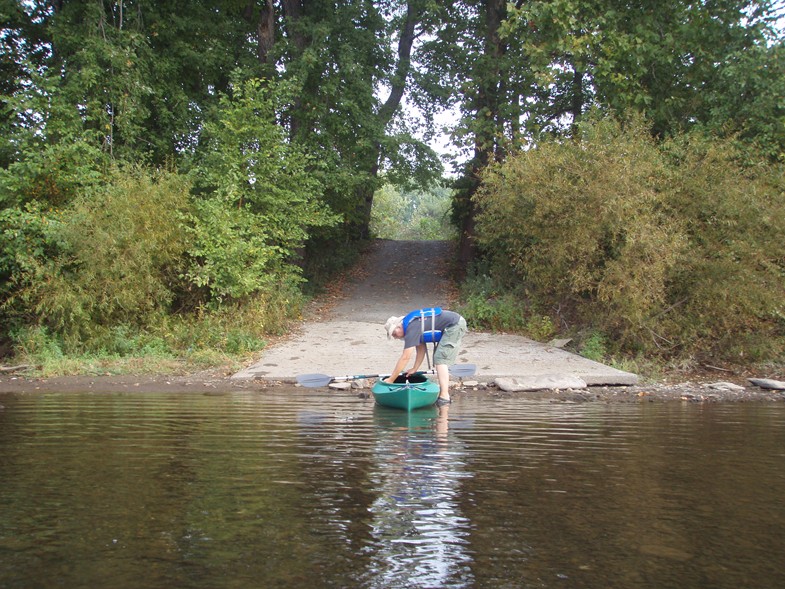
x=533 y=67
x=663 y=58
x=342 y=57
x=125 y=80
x=488 y=77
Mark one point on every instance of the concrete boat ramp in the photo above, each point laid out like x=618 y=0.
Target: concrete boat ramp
x=345 y=348
x=347 y=338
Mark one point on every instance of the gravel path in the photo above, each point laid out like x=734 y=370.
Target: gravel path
x=395 y=276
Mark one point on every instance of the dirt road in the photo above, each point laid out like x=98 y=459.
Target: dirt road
x=395 y=277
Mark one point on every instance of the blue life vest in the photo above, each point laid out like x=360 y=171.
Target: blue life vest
x=429 y=336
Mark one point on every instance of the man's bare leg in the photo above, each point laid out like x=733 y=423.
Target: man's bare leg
x=443 y=376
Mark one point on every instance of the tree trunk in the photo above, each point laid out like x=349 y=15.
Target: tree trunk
x=487 y=145
x=398 y=84
x=266 y=31
x=293 y=12
x=577 y=97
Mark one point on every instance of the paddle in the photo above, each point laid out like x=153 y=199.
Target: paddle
x=322 y=380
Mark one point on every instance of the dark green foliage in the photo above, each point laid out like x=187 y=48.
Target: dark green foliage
x=54 y=156
x=747 y=102
x=679 y=63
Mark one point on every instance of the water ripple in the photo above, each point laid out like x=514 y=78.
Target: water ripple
x=293 y=487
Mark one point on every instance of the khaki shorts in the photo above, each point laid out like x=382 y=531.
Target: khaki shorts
x=450 y=344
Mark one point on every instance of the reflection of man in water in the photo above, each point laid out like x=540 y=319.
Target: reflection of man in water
x=418 y=531
x=442 y=424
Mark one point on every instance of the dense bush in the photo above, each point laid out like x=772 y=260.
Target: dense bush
x=138 y=261
x=668 y=249
x=113 y=257
x=257 y=199
x=112 y=275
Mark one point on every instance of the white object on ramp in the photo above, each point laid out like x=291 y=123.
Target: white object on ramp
x=540 y=382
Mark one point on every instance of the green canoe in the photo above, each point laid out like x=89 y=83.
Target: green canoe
x=405 y=394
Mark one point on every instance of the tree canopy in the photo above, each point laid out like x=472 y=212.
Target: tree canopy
x=84 y=82
x=275 y=122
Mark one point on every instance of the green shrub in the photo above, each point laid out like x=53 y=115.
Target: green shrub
x=594 y=347
x=666 y=248
x=37 y=342
x=539 y=327
x=177 y=342
x=486 y=305
x=115 y=258
x=257 y=199
x=29 y=237
x=239 y=328
x=729 y=285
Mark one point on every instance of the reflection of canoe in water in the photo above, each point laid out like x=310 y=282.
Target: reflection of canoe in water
x=405 y=394
x=395 y=419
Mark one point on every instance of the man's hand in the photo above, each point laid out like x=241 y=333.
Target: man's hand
x=403 y=361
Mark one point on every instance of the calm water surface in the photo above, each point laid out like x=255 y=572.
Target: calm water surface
x=318 y=489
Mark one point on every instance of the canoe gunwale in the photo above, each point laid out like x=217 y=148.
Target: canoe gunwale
x=406 y=395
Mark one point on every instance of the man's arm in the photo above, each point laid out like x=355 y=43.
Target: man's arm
x=421 y=350
x=400 y=365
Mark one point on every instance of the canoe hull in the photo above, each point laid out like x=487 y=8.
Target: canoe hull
x=417 y=392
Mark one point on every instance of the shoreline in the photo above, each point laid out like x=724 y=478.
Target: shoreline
x=704 y=391
x=366 y=295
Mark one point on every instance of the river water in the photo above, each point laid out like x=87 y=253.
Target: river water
x=309 y=488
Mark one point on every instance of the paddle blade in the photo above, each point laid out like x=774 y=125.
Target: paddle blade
x=461 y=370
x=314 y=380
